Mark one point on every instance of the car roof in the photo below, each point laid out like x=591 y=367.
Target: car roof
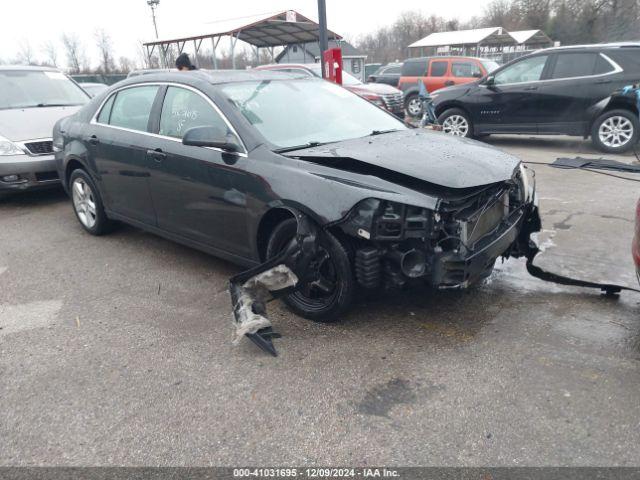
x=442 y=57
x=35 y=68
x=592 y=46
x=215 y=77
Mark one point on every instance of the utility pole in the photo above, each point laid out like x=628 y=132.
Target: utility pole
x=324 y=36
x=154 y=4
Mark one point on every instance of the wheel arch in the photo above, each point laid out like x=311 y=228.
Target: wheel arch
x=274 y=216
x=614 y=103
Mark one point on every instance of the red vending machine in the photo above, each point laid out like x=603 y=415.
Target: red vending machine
x=332 y=65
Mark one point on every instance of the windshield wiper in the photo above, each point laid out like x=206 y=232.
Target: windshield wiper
x=382 y=132
x=300 y=147
x=41 y=105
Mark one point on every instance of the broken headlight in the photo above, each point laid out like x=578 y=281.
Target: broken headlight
x=374 y=219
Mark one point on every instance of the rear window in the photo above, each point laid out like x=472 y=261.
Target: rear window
x=38 y=88
x=569 y=65
x=439 y=68
x=392 y=70
x=414 y=68
x=627 y=58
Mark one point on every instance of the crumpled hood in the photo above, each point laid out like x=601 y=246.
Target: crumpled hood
x=21 y=124
x=433 y=157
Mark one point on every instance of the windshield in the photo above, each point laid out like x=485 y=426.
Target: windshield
x=290 y=113
x=347 y=78
x=37 y=88
x=489 y=65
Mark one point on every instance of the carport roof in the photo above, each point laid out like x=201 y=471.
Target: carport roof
x=530 y=36
x=485 y=36
x=264 y=30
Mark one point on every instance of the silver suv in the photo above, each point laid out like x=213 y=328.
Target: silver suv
x=32 y=99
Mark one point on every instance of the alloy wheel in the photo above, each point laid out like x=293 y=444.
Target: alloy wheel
x=456 y=125
x=414 y=107
x=615 y=132
x=84 y=202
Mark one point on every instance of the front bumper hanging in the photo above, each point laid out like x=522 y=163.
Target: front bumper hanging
x=277 y=277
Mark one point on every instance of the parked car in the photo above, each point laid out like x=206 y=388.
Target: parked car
x=384 y=96
x=635 y=247
x=389 y=74
x=436 y=73
x=370 y=68
x=32 y=99
x=229 y=161
x=580 y=91
x=93 y=88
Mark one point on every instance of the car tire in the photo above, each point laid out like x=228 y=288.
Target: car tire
x=456 y=122
x=87 y=203
x=615 y=131
x=413 y=106
x=314 y=302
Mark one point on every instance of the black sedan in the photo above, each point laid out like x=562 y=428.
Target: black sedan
x=232 y=163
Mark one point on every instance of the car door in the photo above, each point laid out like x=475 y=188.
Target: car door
x=198 y=192
x=564 y=96
x=438 y=75
x=509 y=100
x=119 y=140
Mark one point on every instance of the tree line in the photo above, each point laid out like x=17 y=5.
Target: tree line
x=568 y=21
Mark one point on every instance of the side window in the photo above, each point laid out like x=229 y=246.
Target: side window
x=392 y=71
x=465 y=70
x=439 y=68
x=105 y=113
x=527 y=70
x=603 y=66
x=414 y=69
x=570 y=65
x=184 y=109
x=132 y=107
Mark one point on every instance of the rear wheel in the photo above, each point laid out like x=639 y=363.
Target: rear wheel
x=615 y=131
x=87 y=203
x=327 y=298
x=456 y=122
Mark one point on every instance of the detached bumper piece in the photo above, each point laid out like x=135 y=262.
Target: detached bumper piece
x=253 y=289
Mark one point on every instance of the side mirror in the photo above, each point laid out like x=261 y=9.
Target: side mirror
x=477 y=74
x=211 y=137
x=490 y=81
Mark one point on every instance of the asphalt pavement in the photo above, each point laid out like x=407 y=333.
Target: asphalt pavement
x=117 y=351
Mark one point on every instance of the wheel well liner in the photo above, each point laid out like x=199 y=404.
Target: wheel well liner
x=268 y=223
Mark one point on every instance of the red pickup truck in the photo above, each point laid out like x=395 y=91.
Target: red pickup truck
x=436 y=73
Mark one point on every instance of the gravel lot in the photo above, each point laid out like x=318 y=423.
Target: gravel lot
x=117 y=351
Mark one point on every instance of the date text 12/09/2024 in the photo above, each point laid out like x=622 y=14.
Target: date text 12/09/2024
x=315 y=473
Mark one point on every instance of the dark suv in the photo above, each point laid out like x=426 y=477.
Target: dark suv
x=580 y=90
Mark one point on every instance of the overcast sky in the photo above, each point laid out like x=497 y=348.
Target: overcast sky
x=129 y=21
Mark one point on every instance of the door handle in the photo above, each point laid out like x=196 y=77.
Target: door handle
x=529 y=89
x=158 y=155
x=448 y=83
x=93 y=140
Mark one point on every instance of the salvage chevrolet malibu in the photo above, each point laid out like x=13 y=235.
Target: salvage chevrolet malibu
x=270 y=170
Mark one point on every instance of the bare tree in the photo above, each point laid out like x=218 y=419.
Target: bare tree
x=76 y=59
x=51 y=53
x=25 y=53
x=104 y=44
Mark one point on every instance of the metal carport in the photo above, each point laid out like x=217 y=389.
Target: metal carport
x=268 y=30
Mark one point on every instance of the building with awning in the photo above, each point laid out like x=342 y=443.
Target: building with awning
x=263 y=31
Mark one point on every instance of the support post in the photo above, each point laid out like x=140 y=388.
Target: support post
x=322 y=21
x=214 y=44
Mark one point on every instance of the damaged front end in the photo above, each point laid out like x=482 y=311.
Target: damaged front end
x=452 y=246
